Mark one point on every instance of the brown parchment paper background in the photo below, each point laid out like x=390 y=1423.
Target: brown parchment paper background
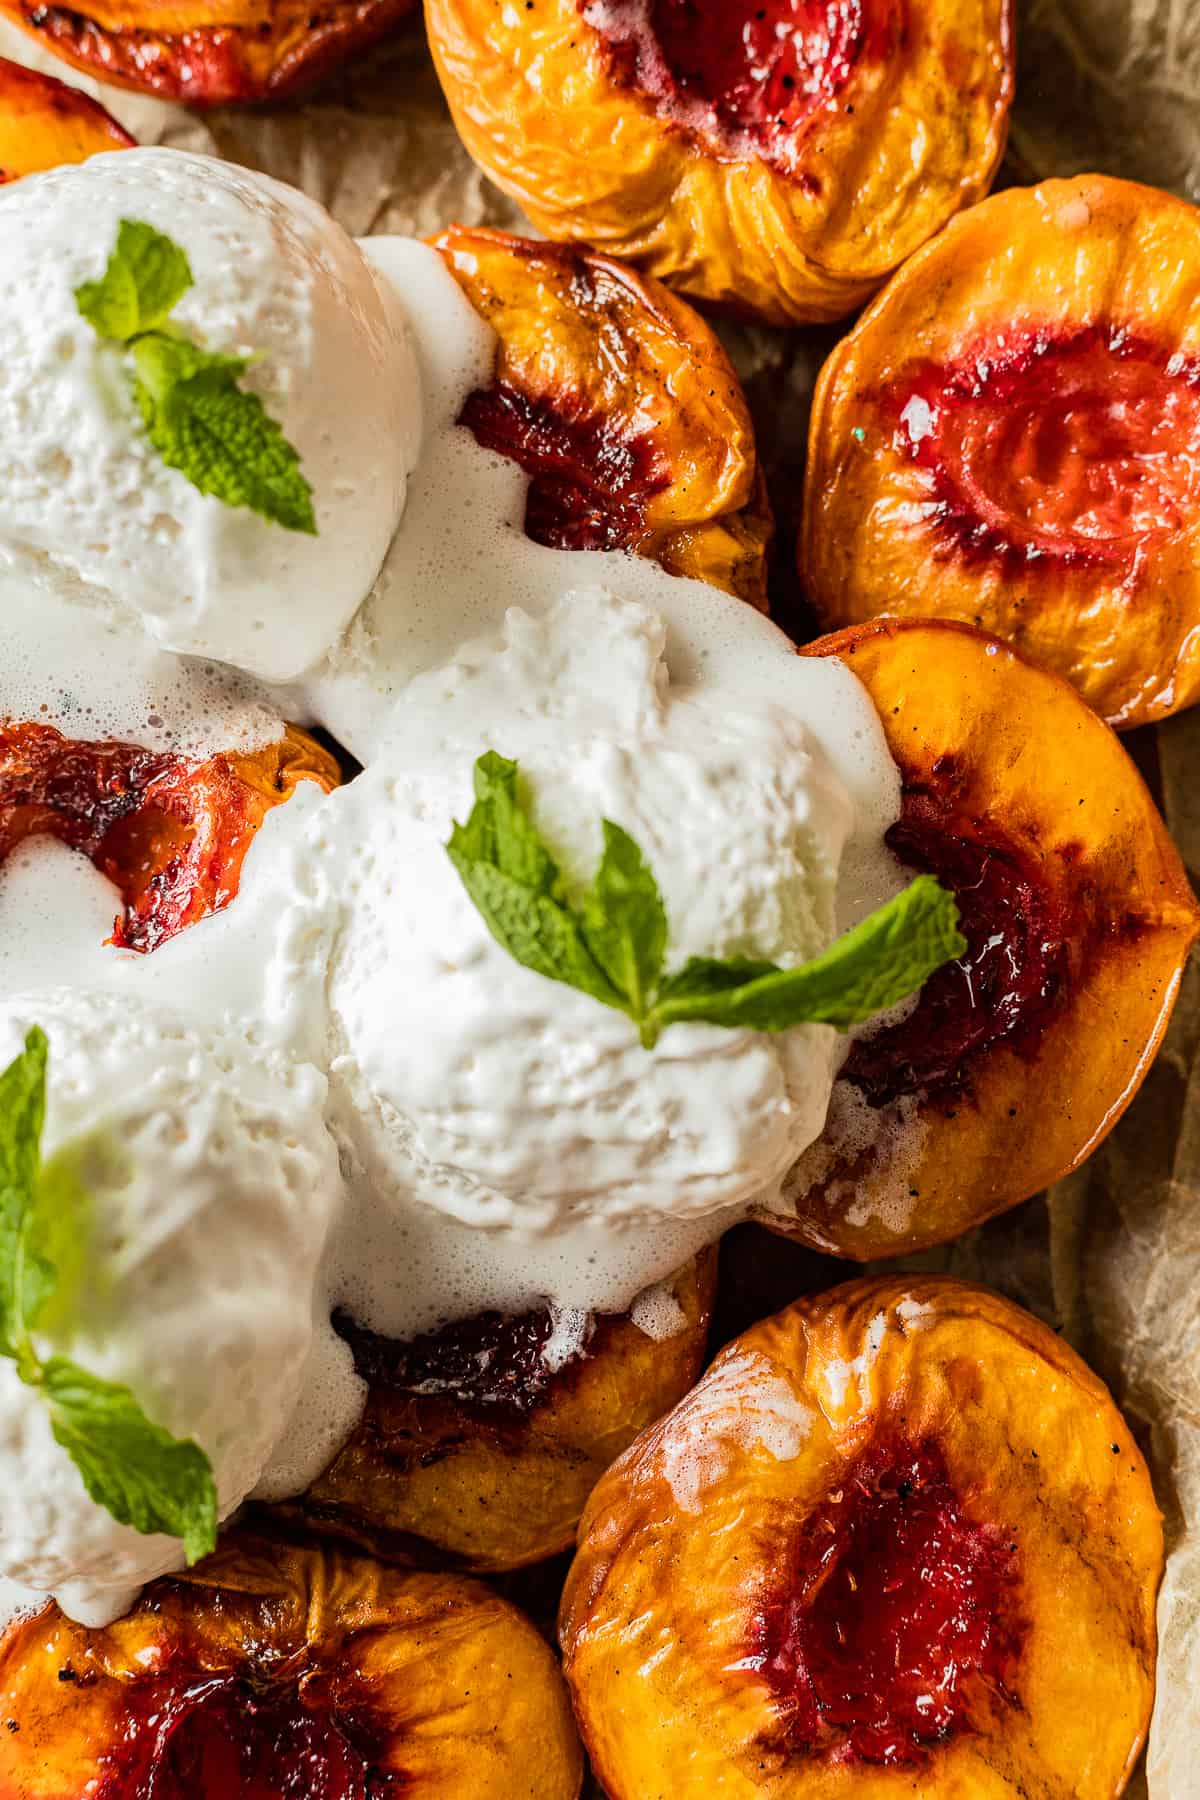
x=1112 y=1255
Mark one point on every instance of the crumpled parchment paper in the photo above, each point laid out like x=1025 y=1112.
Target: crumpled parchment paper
x=1111 y=1256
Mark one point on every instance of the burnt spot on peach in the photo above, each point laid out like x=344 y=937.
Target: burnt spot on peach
x=590 y=482
x=1025 y=922
x=171 y=833
x=490 y=1360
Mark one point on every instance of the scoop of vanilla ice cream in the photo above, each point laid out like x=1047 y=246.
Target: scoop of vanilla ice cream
x=207 y=1238
x=85 y=497
x=504 y=1098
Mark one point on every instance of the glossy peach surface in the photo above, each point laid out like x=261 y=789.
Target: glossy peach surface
x=170 y=833
x=44 y=122
x=492 y=1484
x=780 y=160
x=1079 y=919
x=619 y=402
x=275 y=1671
x=899 y=1540
x=1011 y=437
x=208 y=52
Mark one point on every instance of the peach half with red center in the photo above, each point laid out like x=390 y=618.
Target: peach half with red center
x=1011 y=437
x=170 y=832
x=1019 y=1057
x=779 y=159
x=898 y=1540
x=274 y=1670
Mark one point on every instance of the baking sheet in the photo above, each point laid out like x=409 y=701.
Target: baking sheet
x=1112 y=1255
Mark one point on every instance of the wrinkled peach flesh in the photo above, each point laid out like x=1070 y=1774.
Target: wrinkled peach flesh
x=900 y=1618
x=490 y=1360
x=1078 y=450
x=170 y=833
x=1023 y=944
x=748 y=74
x=590 y=480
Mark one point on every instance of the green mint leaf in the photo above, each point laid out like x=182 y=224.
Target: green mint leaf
x=713 y=975
x=133 y=1468
x=875 y=966
x=612 y=947
x=507 y=836
x=217 y=434
x=515 y=884
x=58 y=1229
x=146 y=275
x=624 y=921
x=22 y=1115
x=537 y=931
x=195 y=411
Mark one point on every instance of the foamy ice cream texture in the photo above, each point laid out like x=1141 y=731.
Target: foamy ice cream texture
x=506 y=1139
x=87 y=502
x=477 y=1088
x=213 y=1184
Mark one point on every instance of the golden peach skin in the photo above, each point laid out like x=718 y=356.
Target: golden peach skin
x=499 y=1483
x=275 y=1670
x=777 y=159
x=1016 y=1061
x=1011 y=437
x=208 y=52
x=898 y=1541
x=44 y=122
x=620 y=403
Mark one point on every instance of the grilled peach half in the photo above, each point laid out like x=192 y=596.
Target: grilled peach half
x=1011 y=437
x=1015 y=1061
x=898 y=1540
x=169 y=831
x=777 y=157
x=481 y=1443
x=44 y=122
x=208 y=52
x=622 y=407
x=276 y=1670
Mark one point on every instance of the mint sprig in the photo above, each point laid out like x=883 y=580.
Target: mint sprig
x=130 y=1466
x=195 y=413
x=612 y=943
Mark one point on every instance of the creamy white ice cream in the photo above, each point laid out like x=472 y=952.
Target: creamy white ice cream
x=507 y=1141
x=84 y=496
x=208 y=1233
x=503 y=1098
